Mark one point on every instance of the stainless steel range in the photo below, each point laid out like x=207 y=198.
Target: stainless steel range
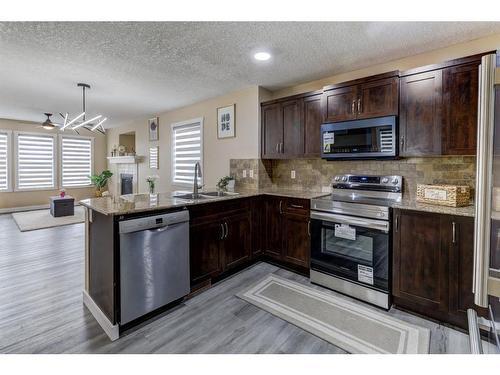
x=350 y=236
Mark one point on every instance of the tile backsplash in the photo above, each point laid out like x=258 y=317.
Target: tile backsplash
x=316 y=174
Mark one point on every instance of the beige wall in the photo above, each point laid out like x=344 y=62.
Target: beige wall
x=41 y=197
x=452 y=52
x=216 y=152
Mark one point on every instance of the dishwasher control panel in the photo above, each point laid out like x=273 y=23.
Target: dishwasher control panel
x=152 y=222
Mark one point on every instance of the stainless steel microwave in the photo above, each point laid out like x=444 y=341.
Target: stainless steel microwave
x=360 y=139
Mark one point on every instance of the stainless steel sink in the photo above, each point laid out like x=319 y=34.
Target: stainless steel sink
x=216 y=194
x=204 y=195
x=190 y=196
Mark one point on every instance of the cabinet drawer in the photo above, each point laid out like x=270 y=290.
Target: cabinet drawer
x=297 y=206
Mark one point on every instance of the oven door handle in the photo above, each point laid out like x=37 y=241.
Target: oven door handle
x=360 y=222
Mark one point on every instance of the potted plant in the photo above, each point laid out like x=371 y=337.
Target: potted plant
x=226 y=183
x=151 y=180
x=100 y=181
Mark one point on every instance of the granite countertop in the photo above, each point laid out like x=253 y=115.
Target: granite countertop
x=132 y=203
x=407 y=204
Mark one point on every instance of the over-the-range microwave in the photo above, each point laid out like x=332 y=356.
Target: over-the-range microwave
x=373 y=138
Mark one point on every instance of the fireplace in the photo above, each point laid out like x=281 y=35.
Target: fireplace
x=126 y=183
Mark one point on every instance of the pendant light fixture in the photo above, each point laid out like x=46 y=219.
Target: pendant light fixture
x=80 y=121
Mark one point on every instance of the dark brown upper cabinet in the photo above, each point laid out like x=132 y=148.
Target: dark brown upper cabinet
x=272 y=130
x=420 y=114
x=460 y=101
x=292 y=145
x=291 y=127
x=375 y=96
x=339 y=104
x=312 y=125
x=438 y=108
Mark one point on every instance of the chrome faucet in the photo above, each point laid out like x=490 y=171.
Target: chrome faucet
x=197 y=173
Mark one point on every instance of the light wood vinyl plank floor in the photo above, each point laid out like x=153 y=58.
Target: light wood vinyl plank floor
x=41 y=309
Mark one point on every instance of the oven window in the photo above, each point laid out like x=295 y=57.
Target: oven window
x=359 y=249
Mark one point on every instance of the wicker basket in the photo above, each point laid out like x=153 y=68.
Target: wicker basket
x=444 y=195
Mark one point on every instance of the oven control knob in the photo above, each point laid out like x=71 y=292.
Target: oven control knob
x=337 y=178
x=395 y=181
x=385 y=180
x=344 y=178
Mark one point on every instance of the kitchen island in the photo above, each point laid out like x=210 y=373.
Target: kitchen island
x=226 y=234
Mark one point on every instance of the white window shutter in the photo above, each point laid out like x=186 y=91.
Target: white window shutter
x=76 y=161
x=35 y=161
x=4 y=161
x=187 y=141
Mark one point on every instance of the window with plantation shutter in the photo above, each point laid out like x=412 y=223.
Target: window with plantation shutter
x=187 y=149
x=35 y=161
x=4 y=161
x=76 y=161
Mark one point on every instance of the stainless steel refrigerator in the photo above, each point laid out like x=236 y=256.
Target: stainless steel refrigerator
x=486 y=283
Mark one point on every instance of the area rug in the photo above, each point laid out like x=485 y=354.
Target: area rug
x=348 y=325
x=40 y=219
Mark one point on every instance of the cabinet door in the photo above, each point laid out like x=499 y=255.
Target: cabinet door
x=461 y=238
x=339 y=104
x=205 y=239
x=296 y=239
x=420 y=114
x=237 y=242
x=378 y=98
x=420 y=263
x=273 y=221
x=312 y=126
x=293 y=139
x=460 y=100
x=272 y=131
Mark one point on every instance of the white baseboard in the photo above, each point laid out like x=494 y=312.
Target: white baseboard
x=112 y=330
x=10 y=210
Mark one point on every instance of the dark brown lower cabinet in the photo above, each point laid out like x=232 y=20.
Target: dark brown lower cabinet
x=220 y=239
x=432 y=265
x=286 y=235
x=237 y=240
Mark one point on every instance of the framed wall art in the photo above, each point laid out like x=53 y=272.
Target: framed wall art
x=153 y=124
x=225 y=122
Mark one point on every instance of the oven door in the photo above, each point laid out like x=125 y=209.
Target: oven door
x=352 y=248
x=370 y=138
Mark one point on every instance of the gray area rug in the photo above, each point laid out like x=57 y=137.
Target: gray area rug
x=40 y=219
x=348 y=325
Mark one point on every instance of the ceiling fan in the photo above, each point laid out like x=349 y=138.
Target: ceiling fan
x=79 y=121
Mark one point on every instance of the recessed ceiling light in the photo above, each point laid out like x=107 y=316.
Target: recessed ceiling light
x=262 y=56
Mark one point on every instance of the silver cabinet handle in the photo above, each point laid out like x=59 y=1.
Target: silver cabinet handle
x=281 y=147
x=402 y=141
x=296 y=206
x=222 y=231
x=397 y=223
x=227 y=229
x=277 y=146
x=359 y=105
x=353 y=106
x=281 y=210
x=309 y=228
x=453 y=233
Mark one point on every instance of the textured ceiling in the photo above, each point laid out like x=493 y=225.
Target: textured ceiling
x=140 y=69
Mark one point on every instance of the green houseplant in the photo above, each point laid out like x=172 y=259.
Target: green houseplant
x=100 y=181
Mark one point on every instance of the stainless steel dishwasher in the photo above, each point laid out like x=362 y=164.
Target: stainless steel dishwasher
x=154 y=263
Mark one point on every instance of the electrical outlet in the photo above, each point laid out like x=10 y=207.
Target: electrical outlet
x=292 y=175
x=244 y=173
x=250 y=172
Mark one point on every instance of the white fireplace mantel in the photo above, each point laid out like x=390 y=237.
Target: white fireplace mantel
x=124 y=159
